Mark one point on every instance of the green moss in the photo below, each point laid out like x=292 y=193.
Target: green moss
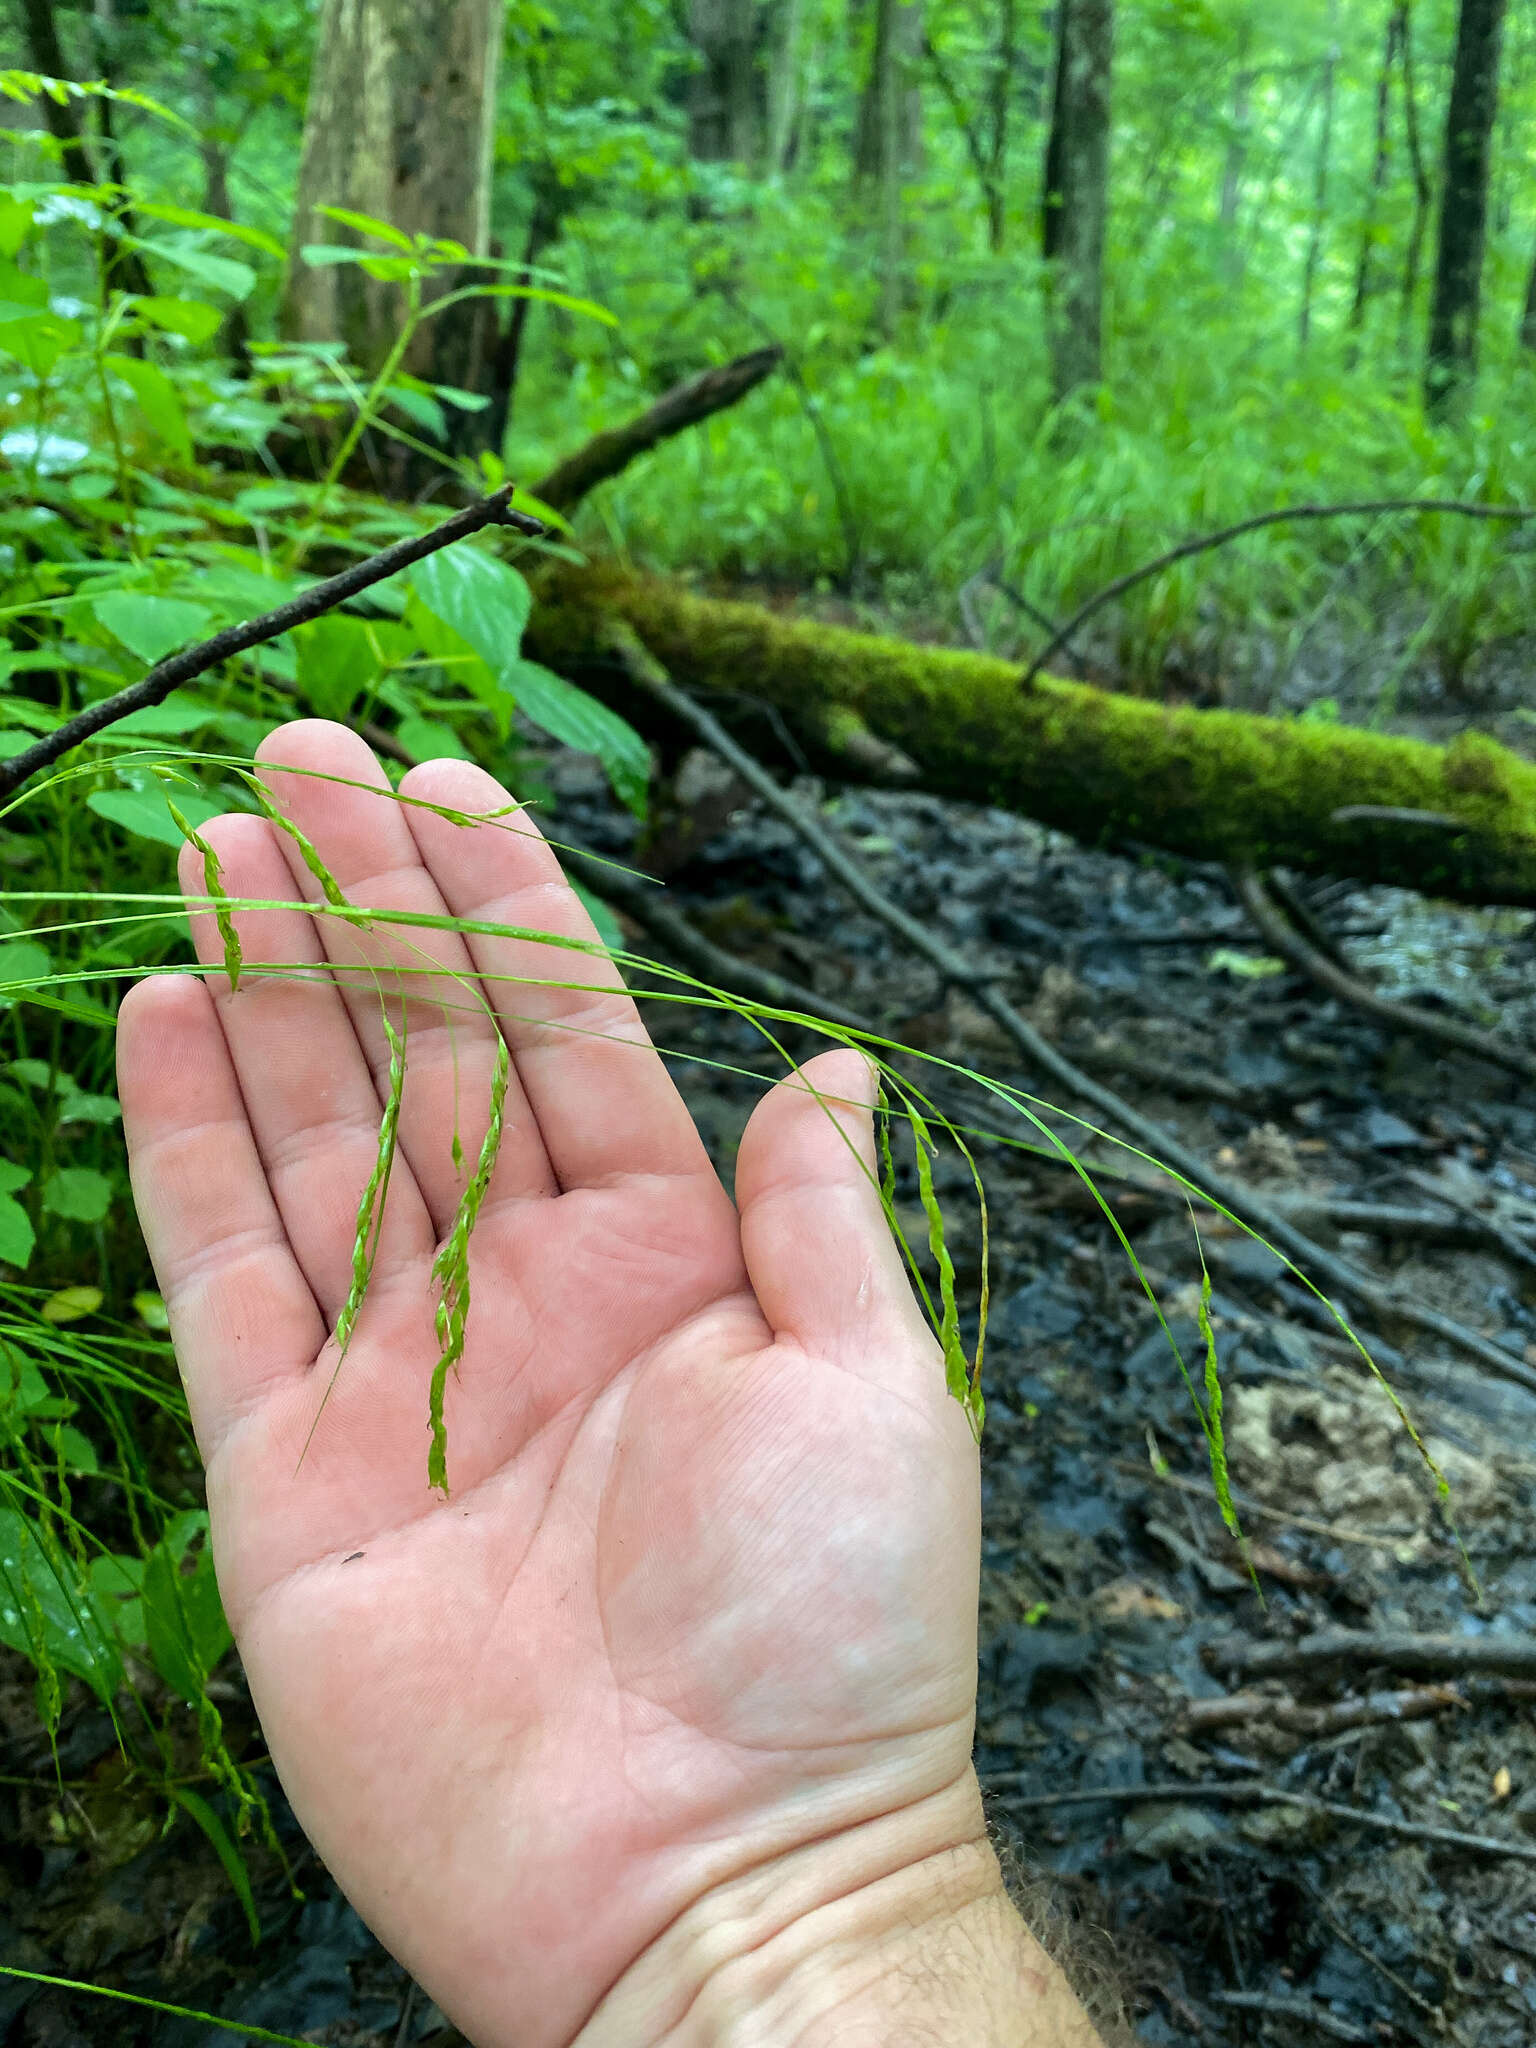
x=1213 y=785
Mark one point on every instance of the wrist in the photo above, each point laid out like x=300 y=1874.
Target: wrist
x=897 y=1934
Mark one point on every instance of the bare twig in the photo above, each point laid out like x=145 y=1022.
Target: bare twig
x=1236 y=1710
x=1389 y=814
x=1373 y=1539
x=1200 y=544
x=606 y=454
x=1278 y=931
x=176 y=669
x=1507 y=1242
x=1244 y=1792
x=1510 y=1656
x=1306 y=2010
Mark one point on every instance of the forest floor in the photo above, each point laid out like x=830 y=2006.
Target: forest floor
x=1109 y=1583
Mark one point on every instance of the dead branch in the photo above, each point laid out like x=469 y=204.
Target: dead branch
x=1247 y=1207
x=1423 y=1656
x=1244 y=1792
x=1278 y=931
x=1306 y=2010
x=180 y=668
x=1200 y=544
x=1418 y=1703
x=606 y=454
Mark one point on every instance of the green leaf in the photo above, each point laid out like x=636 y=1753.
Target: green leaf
x=183 y=1619
x=38 y=340
x=80 y=1108
x=178 y=717
x=77 y=1193
x=46 y=1609
x=144 y=813
x=73 y=1449
x=22 y=963
x=210 y=223
x=189 y=318
x=115 y=1583
x=15 y=220
x=234 y=1866
x=609 y=930
x=482 y=598
x=13 y=1176
x=150 y=1309
x=151 y=627
x=155 y=395
x=577 y=720
x=365 y=224
x=71 y=1305
x=338 y=658
x=16 y=1234
x=1243 y=966
x=318 y=254
x=237 y=280
x=429 y=740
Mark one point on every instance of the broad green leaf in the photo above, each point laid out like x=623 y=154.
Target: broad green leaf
x=365 y=224
x=178 y=717
x=78 y=1107
x=609 y=930
x=46 y=1609
x=577 y=720
x=16 y=1234
x=72 y=1449
x=38 y=340
x=15 y=220
x=151 y=627
x=480 y=598
x=150 y=1309
x=155 y=395
x=225 y=274
x=13 y=742
x=338 y=659
x=71 y=1305
x=430 y=740
x=77 y=1193
x=115 y=1584
x=420 y=407
x=189 y=318
x=318 y=254
x=143 y=812
x=22 y=962
x=211 y=223
x=13 y=1176
x=183 y=1619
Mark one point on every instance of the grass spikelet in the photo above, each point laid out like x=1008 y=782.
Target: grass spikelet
x=1215 y=1435
x=308 y=853
x=958 y=1376
x=218 y=895
x=450 y=1269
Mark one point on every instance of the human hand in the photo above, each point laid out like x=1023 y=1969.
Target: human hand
x=678 y=1681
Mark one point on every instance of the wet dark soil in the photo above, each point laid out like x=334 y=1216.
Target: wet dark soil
x=1111 y=1589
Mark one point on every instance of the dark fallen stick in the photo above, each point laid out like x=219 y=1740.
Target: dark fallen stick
x=1279 y=932
x=1360 y=1650
x=1236 y=1710
x=1200 y=544
x=1224 y=1792
x=181 y=668
x=606 y=454
x=1259 y=1215
x=1306 y=2010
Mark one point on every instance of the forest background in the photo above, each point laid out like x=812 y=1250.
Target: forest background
x=946 y=318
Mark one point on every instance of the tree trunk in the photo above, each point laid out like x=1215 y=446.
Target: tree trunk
x=1320 y=180
x=1365 y=265
x=1452 y=353
x=1423 y=187
x=723 y=98
x=1528 y=316
x=1005 y=59
x=1226 y=786
x=784 y=84
x=1235 y=162
x=399 y=126
x=1077 y=190
x=891 y=104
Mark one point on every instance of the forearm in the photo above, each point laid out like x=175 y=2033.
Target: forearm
x=878 y=1939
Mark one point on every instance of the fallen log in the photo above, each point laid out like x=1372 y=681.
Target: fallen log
x=1222 y=786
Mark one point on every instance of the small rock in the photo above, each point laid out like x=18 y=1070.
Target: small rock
x=1159 y=1832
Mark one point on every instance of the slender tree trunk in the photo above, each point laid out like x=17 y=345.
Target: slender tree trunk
x=784 y=85
x=1528 y=315
x=1005 y=59
x=724 y=114
x=1423 y=185
x=1235 y=162
x=398 y=126
x=1452 y=353
x=889 y=139
x=1320 y=180
x=1365 y=265
x=1077 y=190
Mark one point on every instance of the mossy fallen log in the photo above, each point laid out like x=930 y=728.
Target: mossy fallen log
x=1212 y=785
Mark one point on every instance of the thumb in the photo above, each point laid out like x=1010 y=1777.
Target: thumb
x=818 y=1248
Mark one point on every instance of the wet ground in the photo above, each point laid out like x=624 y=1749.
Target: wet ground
x=1175 y=1802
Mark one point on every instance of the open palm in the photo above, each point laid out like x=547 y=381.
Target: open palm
x=702 y=1593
